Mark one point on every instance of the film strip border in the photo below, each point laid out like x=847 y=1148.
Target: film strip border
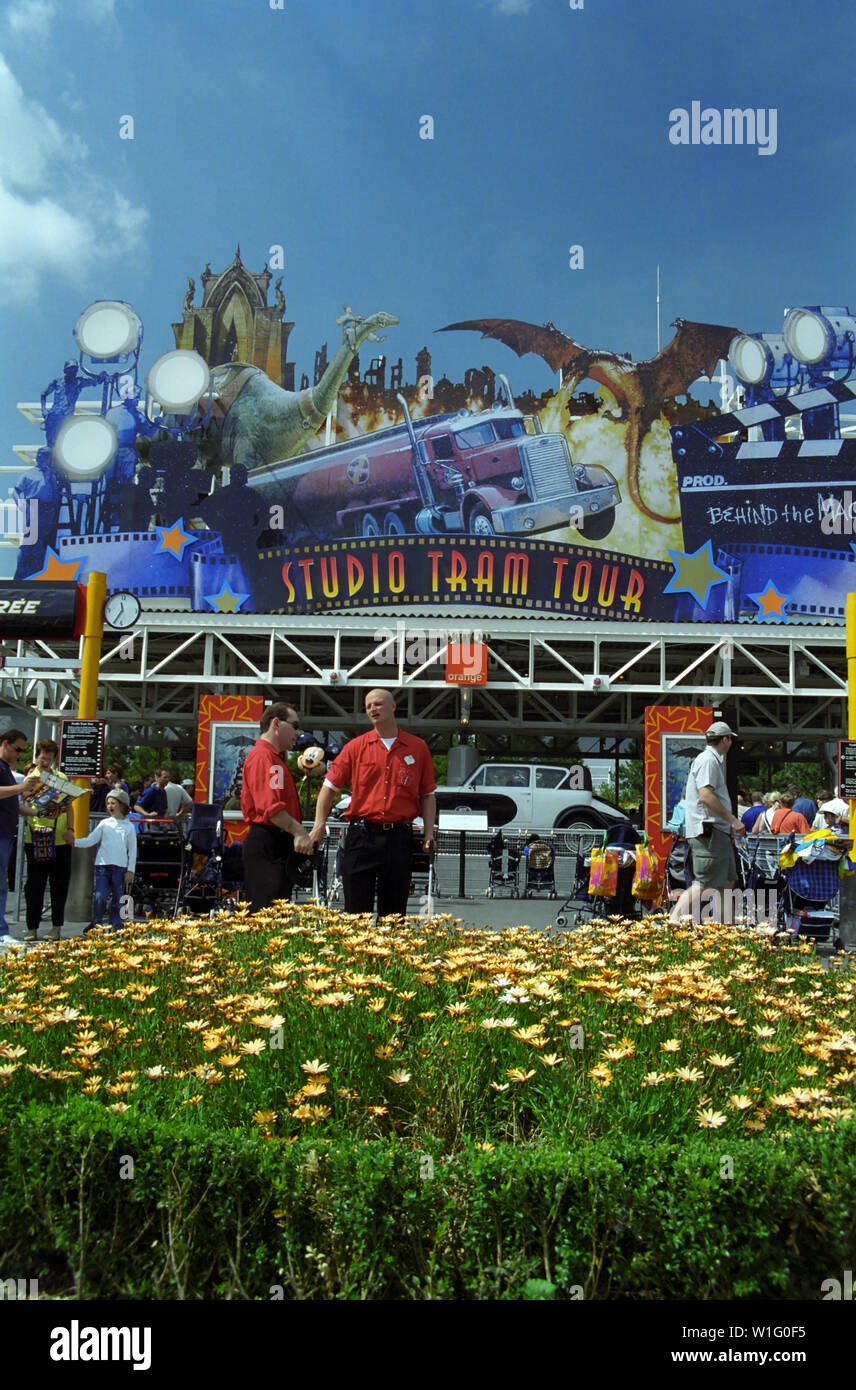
x=833 y=393
x=821 y=563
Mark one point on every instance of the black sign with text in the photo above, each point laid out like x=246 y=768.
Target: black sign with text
x=31 y=608
x=847 y=768
x=81 y=747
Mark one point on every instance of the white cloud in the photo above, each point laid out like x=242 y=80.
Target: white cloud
x=57 y=217
x=31 y=18
x=34 y=19
x=513 y=6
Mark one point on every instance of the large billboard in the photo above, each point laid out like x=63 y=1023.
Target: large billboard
x=678 y=450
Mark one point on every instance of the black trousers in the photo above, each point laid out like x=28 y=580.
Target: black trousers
x=266 y=850
x=40 y=872
x=375 y=859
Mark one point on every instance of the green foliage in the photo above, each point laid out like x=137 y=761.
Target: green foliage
x=210 y=1215
x=139 y=760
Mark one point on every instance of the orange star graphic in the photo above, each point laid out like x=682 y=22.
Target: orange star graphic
x=770 y=601
x=174 y=539
x=56 y=568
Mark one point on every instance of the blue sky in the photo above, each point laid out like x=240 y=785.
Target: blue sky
x=300 y=127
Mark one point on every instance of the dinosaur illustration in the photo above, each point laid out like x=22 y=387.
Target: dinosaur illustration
x=257 y=422
x=639 y=388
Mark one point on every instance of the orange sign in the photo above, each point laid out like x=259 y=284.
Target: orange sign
x=466 y=663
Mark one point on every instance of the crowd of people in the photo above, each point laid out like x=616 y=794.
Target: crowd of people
x=48 y=838
x=712 y=831
x=779 y=813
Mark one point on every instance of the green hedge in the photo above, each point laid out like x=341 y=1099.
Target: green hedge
x=226 y=1216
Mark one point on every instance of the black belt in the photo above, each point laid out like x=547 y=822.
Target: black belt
x=383 y=824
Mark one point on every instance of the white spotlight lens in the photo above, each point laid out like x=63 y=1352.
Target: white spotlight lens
x=178 y=380
x=107 y=329
x=807 y=336
x=749 y=358
x=86 y=446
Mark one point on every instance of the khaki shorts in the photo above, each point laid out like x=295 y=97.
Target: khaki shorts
x=713 y=859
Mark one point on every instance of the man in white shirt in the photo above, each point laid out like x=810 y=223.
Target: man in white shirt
x=178 y=803
x=710 y=824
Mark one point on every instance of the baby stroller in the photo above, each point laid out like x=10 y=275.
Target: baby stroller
x=539 y=857
x=200 y=880
x=423 y=875
x=808 y=903
x=678 y=874
x=502 y=879
x=761 y=881
x=578 y=900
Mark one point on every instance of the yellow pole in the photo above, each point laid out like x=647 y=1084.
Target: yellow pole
x=96 y=592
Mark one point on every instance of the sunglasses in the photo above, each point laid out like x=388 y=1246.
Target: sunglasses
x=292 y=723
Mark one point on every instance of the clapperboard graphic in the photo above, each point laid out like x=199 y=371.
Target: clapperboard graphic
x=797 y=493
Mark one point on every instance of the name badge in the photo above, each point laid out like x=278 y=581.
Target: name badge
x=409 y=759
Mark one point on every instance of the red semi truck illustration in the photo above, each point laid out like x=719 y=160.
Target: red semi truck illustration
x=485 y=473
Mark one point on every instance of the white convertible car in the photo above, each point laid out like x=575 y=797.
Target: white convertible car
x=526 y=796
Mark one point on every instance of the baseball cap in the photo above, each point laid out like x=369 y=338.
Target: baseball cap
x=719 y=730
x=835 y=807
x=118 y=794
x=188 y=782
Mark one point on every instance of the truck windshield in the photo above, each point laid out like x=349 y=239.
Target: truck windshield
x=474 y=436
x=509 y=429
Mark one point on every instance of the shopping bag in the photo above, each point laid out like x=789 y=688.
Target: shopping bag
x=44 y=844
x=603 y=874
x=646 y=880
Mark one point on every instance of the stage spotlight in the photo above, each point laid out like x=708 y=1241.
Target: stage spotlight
x=85 y=446
x=107 y=330
x=178 y=381
x=821 y=337
x=763 y=360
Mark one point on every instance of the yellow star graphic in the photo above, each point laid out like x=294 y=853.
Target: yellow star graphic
x=227 y=602
x=695 y=574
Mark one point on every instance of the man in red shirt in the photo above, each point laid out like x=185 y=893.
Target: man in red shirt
x=270 y=805
x=391 y=777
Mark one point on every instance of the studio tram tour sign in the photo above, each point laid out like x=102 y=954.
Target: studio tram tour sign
x=626 y=506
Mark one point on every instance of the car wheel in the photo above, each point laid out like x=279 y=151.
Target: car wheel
x=598 y=525
x=578 y=820
x=479 y=522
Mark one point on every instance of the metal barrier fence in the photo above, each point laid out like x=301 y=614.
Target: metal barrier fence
x=462 y=865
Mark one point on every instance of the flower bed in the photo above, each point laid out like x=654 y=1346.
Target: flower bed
x=442 y=1057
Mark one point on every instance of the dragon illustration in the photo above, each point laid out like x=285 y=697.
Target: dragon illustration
x=639 y=388
x=259 y=423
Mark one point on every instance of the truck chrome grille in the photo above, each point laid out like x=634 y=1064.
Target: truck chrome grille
x=546 y=467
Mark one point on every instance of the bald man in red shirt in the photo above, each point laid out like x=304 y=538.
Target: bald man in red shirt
x=391 y=776
x=270 y=805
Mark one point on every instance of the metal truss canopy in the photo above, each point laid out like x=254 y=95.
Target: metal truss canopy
x=545 y=676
